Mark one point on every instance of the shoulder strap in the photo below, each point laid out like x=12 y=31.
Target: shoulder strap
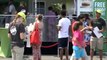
x=36 y=28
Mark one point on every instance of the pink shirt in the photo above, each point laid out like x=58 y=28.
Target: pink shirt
x=79 y=36
x=73 y=24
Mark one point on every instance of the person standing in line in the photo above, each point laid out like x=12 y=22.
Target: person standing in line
x=10 y=10
x=51 y=22
x=22 y=7
x=97 y=42
x=63 y=34
x=36 y=48
x=17 y=36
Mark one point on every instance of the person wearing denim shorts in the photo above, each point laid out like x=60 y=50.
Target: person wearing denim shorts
x=78 y=41
x=78 y=52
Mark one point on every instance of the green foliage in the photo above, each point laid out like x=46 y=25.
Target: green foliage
x=57 y=8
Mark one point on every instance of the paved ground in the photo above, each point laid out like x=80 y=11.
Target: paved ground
x=51 y=57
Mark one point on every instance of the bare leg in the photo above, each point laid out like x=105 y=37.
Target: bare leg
x=61 y=53
x=76 y=59
x=36 y=52
x=83 y=58
x=100 y=54
x=91 y=54
x=66 y=53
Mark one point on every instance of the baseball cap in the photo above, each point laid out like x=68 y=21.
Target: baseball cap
x=22 y=14
x=98 y=11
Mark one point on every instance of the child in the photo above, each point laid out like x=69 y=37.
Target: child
x=78 y=41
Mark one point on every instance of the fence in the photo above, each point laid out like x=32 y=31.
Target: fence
x=49 y=31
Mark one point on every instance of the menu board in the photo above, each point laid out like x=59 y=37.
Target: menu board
x=84 y=6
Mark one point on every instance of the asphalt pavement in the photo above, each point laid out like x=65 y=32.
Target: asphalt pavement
x=51 y=57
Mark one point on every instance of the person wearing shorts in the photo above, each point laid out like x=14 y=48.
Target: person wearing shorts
x=97 y=42
x=78 y=41
x=63 y=34
x=63 y=42
x=78 y=52
x=81 y=19
x=16 y=33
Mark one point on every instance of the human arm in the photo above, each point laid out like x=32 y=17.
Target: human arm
x=70 y=32
x=59 y=25
x=58 y=28
x=9 y=34
x=41 y=25
x=85 y=28
x=75 y=40
x=22 y=32
x=103 y=23
x=102 y=30
x=22 y=36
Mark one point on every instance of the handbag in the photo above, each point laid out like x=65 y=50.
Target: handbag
x=35 y=36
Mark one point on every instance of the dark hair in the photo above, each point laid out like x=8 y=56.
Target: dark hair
x=74 y=16
x=50 y=8
x=76 y=26
x=63 y=7
x=23 y=3
x=63 y=13
x=40 y=17
x=86 y=16
x=10 y=2
x=81 y=16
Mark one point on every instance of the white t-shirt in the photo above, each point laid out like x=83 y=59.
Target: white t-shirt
x=64 y=23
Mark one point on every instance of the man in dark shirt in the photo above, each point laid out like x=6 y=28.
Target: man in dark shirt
x=97 y=42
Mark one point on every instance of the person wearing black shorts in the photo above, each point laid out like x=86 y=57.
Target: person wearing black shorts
x=63 y=42
x=63 y=34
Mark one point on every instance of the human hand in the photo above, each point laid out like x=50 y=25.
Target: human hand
x=88 y=27
x=84 y=44
x=100 y=31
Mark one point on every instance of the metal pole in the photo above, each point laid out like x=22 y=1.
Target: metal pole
x=35 y=7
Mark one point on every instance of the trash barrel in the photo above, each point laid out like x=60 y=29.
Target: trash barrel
x=5 y=46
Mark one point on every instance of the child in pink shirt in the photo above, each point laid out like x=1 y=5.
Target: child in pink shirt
x=78 y=41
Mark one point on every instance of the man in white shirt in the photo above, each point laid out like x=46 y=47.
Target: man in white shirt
x=63 y=34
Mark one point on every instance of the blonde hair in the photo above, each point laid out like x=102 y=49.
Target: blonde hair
x=16 y=19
